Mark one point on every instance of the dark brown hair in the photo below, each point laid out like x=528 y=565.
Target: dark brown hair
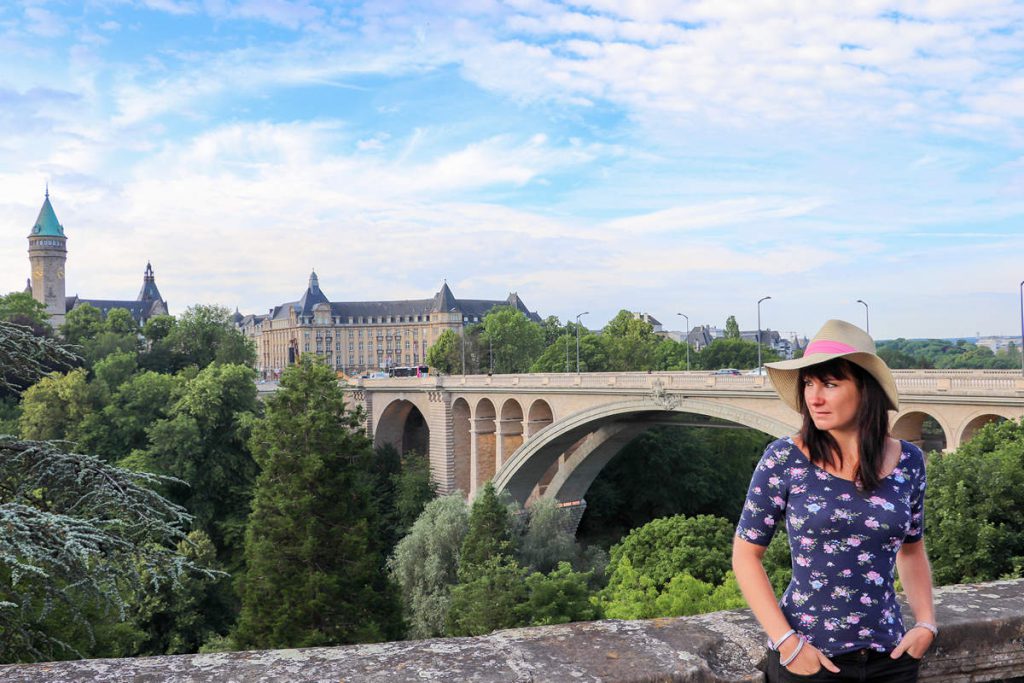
x=872 y=421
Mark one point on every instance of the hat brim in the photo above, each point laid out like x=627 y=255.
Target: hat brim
x=785 y=375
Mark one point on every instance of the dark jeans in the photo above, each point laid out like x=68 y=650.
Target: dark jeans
x=856 y=667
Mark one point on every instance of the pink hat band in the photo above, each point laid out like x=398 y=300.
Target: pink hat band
x=825 y=346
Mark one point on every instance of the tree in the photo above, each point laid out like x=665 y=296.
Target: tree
x=425 y=564
x=120 y=321
x=79 y=535
x=203 y=442
x=552 y=329
x=558 y=597
x=489 y=599
x=733 y=353
x=25 y=357
x=974 y=507
x=135 y=405
x=204 y=334
x=732 y=328
x=403 y=488
x=445 y=356
x=55 y=407
x=629 y=343
x=312 y=544
x=81 y=324
x=21 y=309
x=516 y=341
x=489 y=533
x=546 y=542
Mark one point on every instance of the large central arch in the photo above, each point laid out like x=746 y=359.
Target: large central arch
x=609 y=427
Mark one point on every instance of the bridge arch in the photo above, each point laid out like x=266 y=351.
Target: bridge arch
x=402 y=424
x=461 y=445
x=511 y=429
x=540 y=416
x=910 y=426
x=607 y=428
x=483 y=461
x=975 y=422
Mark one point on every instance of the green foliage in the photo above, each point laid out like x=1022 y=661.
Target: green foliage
x=79 y=535
x=944 y=354
x=558 y=356
x=489 y=599
x=974 y=508
x=135 y=405
x=55 y=407
x=204 y=334
x=671 y=470
x=425 y=564
x=115 y=370
x=672 y=566
x=203 y=442
x=403 y=488
x=668 y=546
x=732 y=328
x=312 y=544
x=82 y=324
x=25 y=357
x=546 y=543
x=489 y=533
x=120 y=321
x=516 y=341
x=733 y=353
x=21 y=309
x=629 y=343
x=445 y=356
x=558 y=597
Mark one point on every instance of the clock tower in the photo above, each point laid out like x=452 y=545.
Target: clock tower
x=47 y=254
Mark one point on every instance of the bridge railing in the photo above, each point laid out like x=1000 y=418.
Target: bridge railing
x=1007 y=383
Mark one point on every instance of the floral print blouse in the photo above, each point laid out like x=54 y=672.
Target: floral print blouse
x=844 y=542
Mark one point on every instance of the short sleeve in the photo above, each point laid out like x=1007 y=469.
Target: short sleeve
x=766 y=498
x=916 y=530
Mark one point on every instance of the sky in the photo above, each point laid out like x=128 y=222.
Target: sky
x=666 y=157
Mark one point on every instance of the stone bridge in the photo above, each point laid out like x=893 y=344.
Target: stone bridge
x=551 y=434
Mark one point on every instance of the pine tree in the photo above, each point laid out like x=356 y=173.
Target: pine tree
x=313 y=550
x=489 y=535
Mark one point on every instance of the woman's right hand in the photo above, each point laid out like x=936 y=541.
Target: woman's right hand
x=809 y=661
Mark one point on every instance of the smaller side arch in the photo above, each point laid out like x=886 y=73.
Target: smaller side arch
x=975 y=423
x=510 y=429
x=461 y=444
x=540 y=416
x=483 y=462
x=921 y=429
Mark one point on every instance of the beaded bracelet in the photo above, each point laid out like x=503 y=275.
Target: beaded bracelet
x=775 y=645
x=799 y=646
x=926 y=625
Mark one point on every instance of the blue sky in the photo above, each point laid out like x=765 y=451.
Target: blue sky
x=592 y=156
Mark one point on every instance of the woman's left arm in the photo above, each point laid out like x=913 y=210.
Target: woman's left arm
x=916 y=575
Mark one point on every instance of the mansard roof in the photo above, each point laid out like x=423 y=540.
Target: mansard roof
x=46 y=224
x=442 y=302
x=141 y=311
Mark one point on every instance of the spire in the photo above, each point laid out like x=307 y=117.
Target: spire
x=149 y=292
x=312 y=296
x=46 y=224
x=444 y=300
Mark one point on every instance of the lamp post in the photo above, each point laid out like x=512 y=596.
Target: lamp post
x=578 y=316
x=462 y=333
x=764 y=298
x=1022 y=328
x=867 y=316
x=567 y=351
x=686 y=340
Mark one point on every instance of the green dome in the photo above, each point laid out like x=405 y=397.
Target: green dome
x=46 y=224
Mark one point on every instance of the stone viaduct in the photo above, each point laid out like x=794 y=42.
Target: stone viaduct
x=551 y=434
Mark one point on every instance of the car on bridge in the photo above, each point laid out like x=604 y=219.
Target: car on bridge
x=728 y=371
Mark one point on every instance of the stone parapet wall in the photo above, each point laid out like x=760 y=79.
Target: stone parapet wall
x=982 y=639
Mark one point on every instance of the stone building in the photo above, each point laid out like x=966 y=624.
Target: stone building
x=360 y=336
x=47 y=255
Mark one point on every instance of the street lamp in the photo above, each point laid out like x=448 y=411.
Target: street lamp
x=867 y=316
x=1022 y=328
x=686 y=339
x=462 y=333
x=579 y=315
x=567 y=350
x=764 y=298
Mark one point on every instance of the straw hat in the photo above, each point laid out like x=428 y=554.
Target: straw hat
x=836 y=339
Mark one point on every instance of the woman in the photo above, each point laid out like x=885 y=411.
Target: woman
x=853 y=501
